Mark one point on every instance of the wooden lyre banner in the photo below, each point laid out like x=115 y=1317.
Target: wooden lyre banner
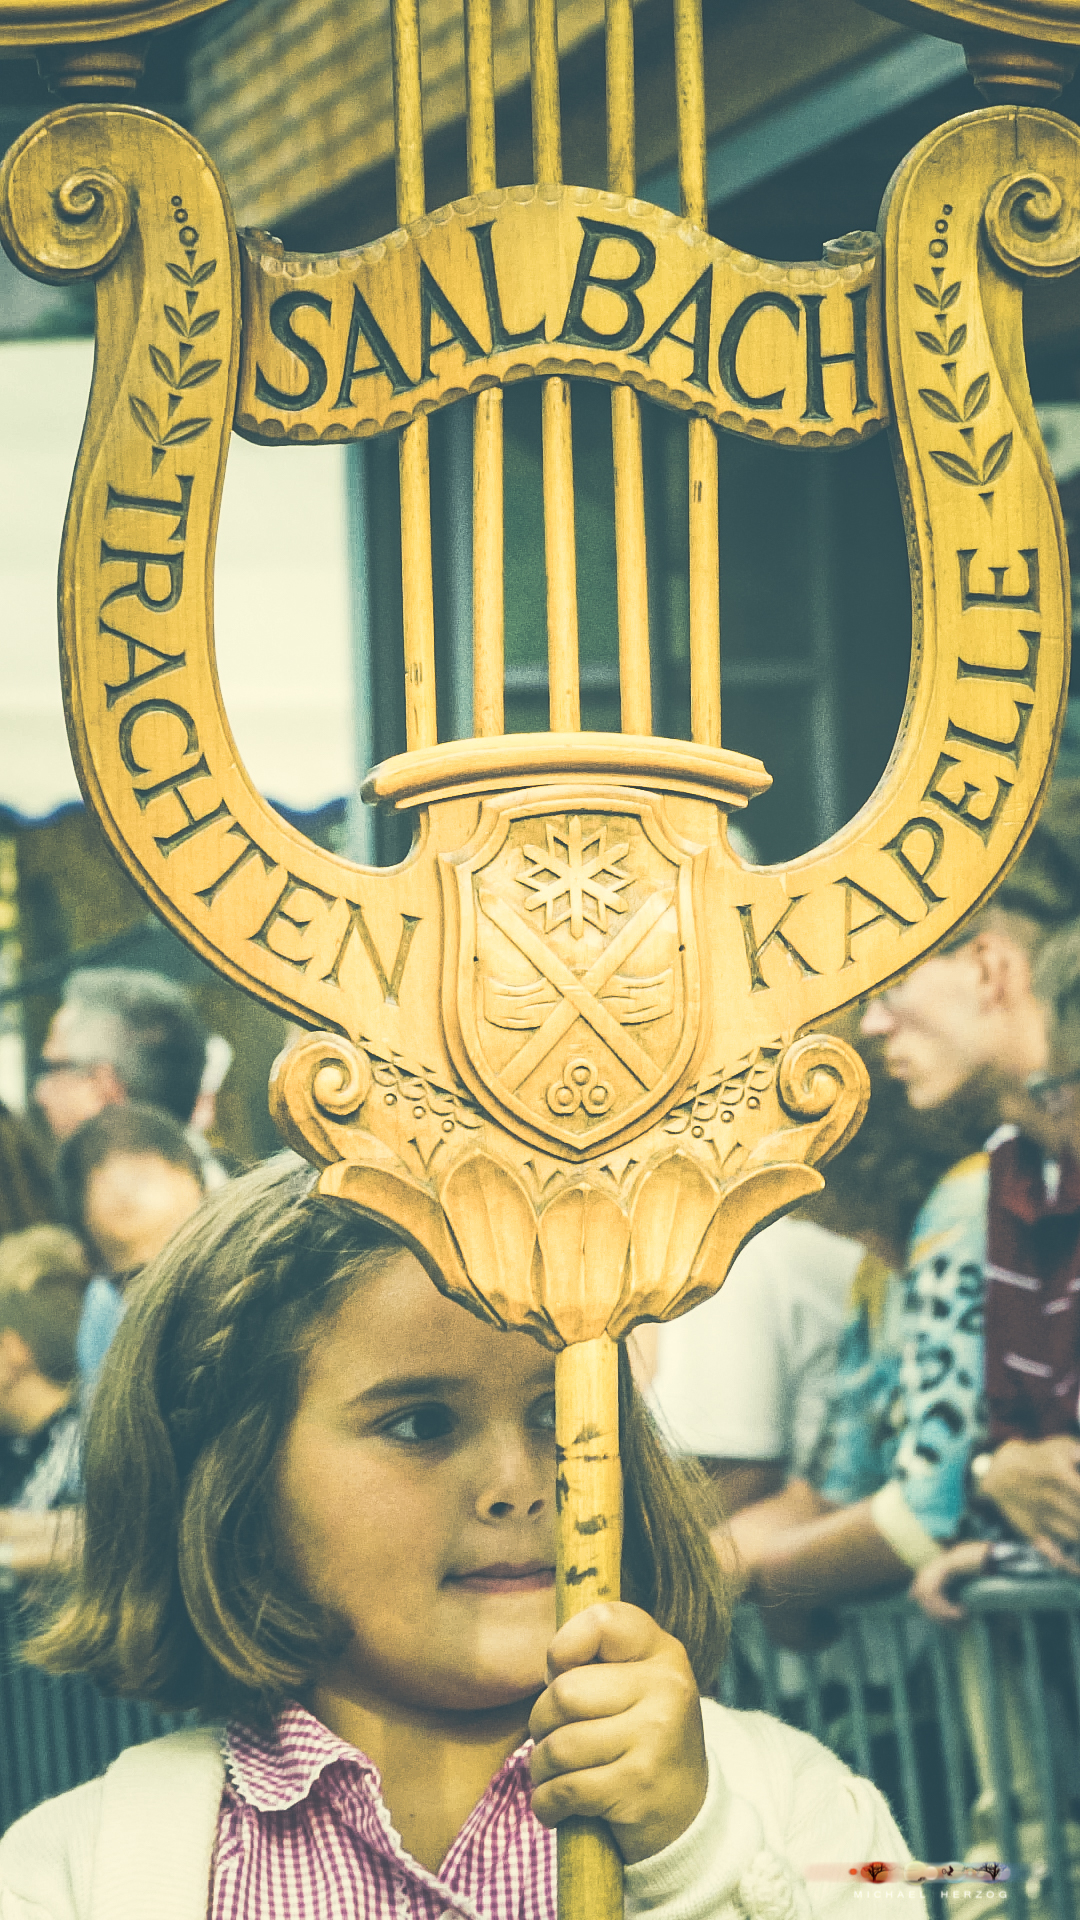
x=567 y=1048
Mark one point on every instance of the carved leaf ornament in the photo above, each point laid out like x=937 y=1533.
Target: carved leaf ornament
x=558 y=1047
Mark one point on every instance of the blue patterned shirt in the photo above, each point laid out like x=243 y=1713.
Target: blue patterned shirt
x=908 y=1401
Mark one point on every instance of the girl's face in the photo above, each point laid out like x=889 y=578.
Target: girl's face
x=416 y=1496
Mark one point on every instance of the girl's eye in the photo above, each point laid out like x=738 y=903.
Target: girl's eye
x=543 y=1415
x=420 y=1425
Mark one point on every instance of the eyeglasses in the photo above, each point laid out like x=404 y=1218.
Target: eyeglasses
x=45 y=1069
x=1046 y=1089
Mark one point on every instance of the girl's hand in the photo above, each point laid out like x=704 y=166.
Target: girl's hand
x=618 y=1731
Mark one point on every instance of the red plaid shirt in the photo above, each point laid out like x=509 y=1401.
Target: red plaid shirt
x=1032 y=1294
x=304 y=1830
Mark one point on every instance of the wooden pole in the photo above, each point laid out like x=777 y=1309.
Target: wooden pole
x=488 y=560
x=560 y=545
x=632 y=578
x=588 y=1560
x=704 y=494
x=417 y=595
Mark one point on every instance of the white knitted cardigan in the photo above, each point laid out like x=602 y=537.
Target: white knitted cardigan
x=138 y=1843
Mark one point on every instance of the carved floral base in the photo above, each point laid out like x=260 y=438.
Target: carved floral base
x=569 y=1252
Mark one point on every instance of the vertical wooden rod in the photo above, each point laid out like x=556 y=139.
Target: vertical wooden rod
x=417 y=596
x=488 y=590
x=479 y=95
x=560 y=557
x=704 y=496
x=544 y=71
x=588 y=1565
x=560 y=548
x=621 y=127
x=704 y=586
x=631 y=563
x=690 y=108
x=408 y=109
x=488 y=552
x=635 y=678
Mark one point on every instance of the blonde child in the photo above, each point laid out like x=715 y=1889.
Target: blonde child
x=320 y=1508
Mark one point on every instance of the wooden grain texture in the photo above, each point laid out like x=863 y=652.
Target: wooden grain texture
x=589 y=1552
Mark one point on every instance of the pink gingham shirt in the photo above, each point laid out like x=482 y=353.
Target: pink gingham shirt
x=304 y=1830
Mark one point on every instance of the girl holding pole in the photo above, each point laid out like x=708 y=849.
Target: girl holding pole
x=320 y=1506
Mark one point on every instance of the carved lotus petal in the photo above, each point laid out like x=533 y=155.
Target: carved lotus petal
x=491 y=1217
x=584 y=1238
x=670 y=1216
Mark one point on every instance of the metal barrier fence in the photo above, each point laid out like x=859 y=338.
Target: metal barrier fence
x=56 y=1733
x=972 y=1733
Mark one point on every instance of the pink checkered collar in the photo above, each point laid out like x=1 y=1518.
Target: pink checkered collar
x=276 y=1767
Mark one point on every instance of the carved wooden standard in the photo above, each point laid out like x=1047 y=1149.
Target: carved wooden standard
x=567 y=1048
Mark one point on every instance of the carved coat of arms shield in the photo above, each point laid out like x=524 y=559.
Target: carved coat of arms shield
x=571 y=997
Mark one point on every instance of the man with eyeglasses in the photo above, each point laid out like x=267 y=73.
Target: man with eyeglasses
x=119 y=1034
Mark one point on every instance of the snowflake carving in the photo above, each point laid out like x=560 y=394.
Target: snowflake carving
x=576 y=877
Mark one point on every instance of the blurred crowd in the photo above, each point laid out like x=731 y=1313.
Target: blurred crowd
x=124 y=1096
x=886 y=1390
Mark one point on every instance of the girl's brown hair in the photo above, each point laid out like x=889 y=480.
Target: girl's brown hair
x=181 y=1596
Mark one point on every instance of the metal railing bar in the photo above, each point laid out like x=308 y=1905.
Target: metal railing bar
x=1051 y=1797
x=948 y=1718
x=860 y=1722
x=1074 y=1649
x=913 y=1823
x=815 y=1716
x=54 y=1717
x=1000 y=1771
